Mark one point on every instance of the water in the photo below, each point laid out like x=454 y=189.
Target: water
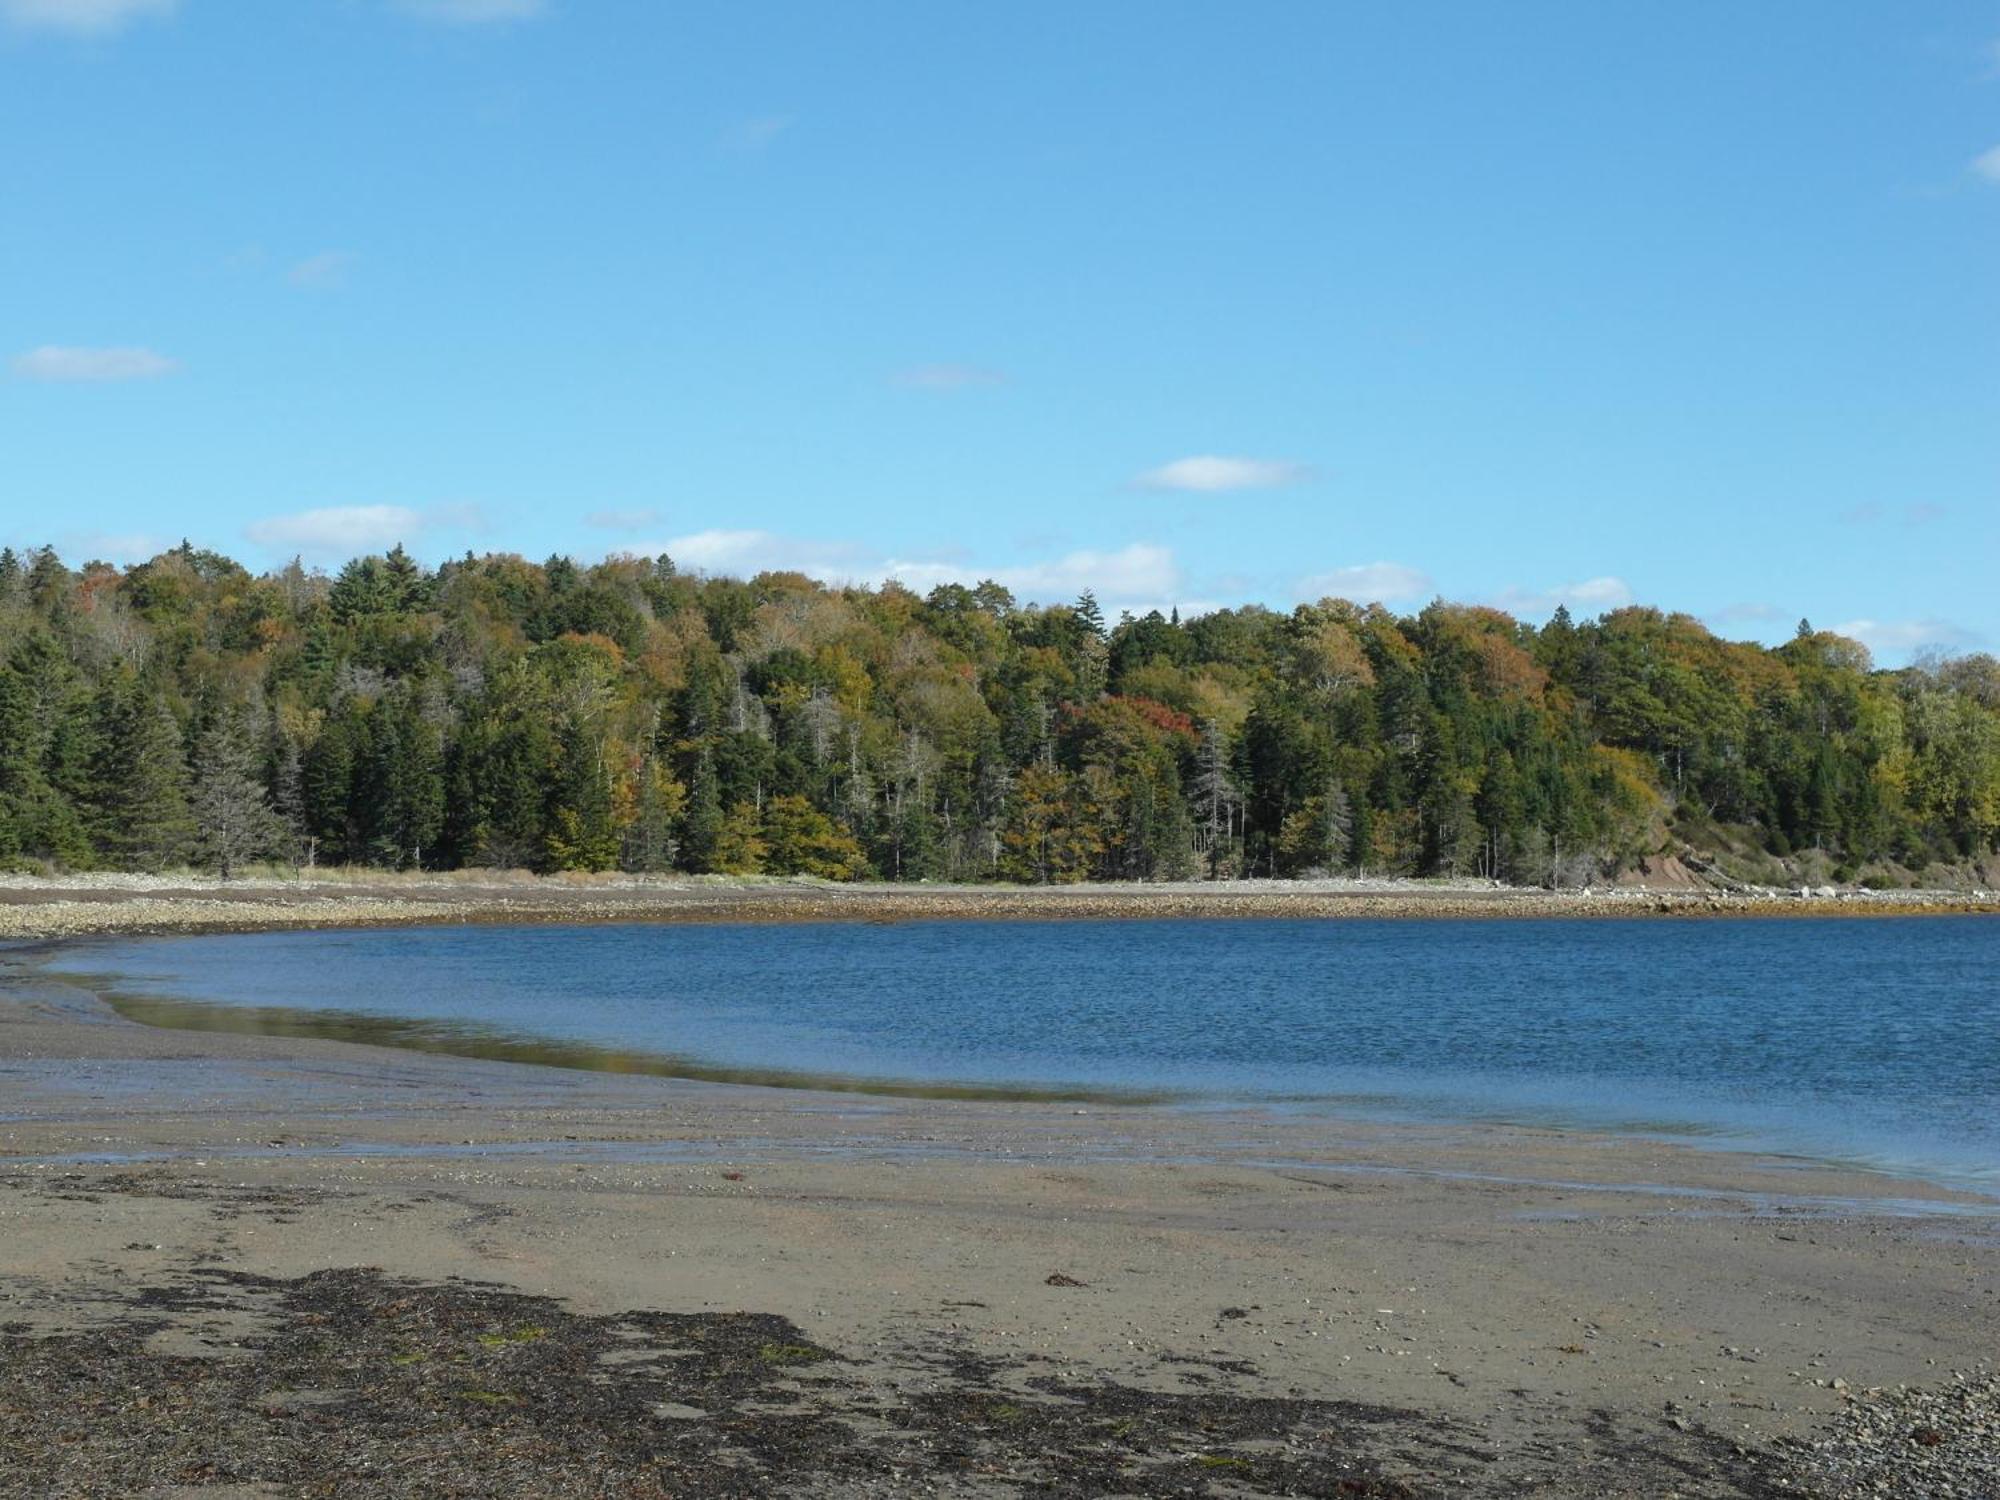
x=1875 y=1042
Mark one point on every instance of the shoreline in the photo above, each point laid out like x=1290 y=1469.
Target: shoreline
x=194 y=1020
x=1293 y=1303
x=38 y=908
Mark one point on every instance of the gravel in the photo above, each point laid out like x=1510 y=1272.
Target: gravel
x=1940 y=1443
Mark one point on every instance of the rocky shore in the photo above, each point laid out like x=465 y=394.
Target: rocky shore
x=75 y=906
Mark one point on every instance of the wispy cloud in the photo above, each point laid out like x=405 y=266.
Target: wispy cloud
x=341 y=531
x=1139 y=576
x=473 y=12
x=756 y=133
x=622 y=520
x=1745 y=613
x=338 y=528
x=54 y=362
x=949 y=377
x=1987 y=165
x=1905 y=638
x=81 y=17
x=122 y=548
x=322 y=272
x=1210 y=473
x=1368 y=583
x=1595 y=595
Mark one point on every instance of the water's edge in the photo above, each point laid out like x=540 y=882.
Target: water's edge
x=496 y=1044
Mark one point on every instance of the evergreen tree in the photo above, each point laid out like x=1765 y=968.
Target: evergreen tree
x=140 y=781
x=233 y=821
x=288 y=802
x=580 y=834
x=651 y=842
x=701 y=842
x=412 y=784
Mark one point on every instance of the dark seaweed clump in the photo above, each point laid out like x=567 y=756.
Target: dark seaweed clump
x=351 y=1383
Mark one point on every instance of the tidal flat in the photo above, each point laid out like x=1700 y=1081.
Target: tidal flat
x=236 y=1265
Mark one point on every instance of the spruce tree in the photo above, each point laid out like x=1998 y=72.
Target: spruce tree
x=140 y=782
x=232 y=817
x=288 y=802
x=580 y=835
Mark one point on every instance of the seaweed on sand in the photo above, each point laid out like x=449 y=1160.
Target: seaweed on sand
x=350 y=1382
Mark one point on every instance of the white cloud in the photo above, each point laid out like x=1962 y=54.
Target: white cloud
x=472 y=12
x=622 y=520
x=755 y=133
x=1746 y=611
x=322 y=271
x=1905 y=638
x=1592 y=595
x=81 y=17
x=1368 y=583
x=55 y=363
x=747 y=552
x=1920 y=513
x=122 y=548
x=948 y=377
x=1987 y=164
x=1139 y=576
x=339 y=529
x=1210 y=473
x=1138 y=573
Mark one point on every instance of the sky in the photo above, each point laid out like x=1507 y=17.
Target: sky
x=1694 y=305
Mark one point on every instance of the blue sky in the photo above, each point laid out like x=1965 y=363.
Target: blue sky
x=1688 y=304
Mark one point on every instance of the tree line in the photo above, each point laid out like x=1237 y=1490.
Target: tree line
x=631 y=716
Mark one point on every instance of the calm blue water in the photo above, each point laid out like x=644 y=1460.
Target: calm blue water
x=1869 y=1041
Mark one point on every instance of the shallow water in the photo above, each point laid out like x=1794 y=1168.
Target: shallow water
x=1875 y=1042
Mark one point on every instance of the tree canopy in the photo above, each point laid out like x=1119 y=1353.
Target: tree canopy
x=557 y=716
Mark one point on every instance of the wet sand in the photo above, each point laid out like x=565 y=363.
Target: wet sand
x=306 y=1259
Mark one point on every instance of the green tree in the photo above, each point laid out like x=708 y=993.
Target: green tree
x=140 y=778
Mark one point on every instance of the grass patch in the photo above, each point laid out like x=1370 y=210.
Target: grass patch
x=525 y=1335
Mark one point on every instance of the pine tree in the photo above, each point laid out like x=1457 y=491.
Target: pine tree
x=405 y=587
x=1337 y=825
x=140 y=782
x=233 y=819
x=703 y=828
x=661 y=800
x=580 y=835
x=42 y=760
x=412 y=784
x=288 y=802
x=1088 y=611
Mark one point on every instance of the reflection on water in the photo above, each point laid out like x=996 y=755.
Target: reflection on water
x=456 y=1039
x=1877 y=1043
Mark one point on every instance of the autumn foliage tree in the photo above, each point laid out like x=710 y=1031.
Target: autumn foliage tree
x=556 y=716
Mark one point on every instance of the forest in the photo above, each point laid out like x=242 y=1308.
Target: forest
x=630 y=716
